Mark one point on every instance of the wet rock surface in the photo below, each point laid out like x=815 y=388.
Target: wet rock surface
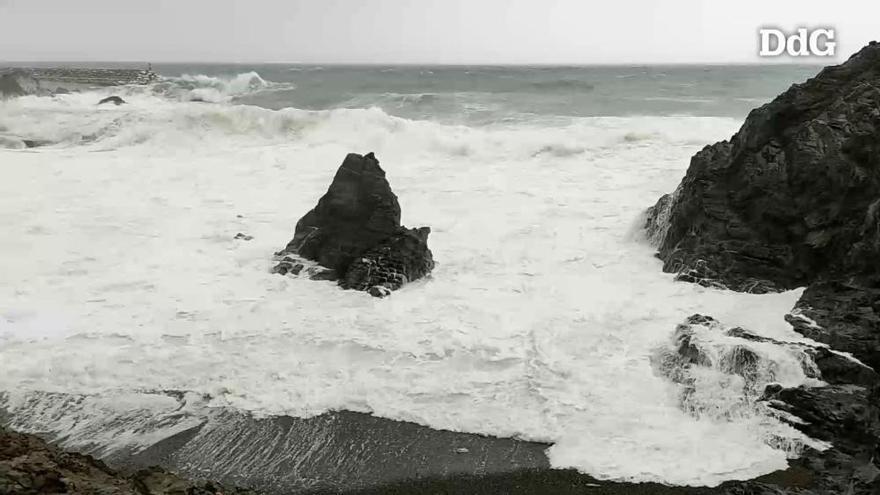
x=355 y=233
x=792 y=200
x=844 y=315
x=846 y=416
x=28 y=465
x=402 y=257
x=793 y=197
x=844 y=412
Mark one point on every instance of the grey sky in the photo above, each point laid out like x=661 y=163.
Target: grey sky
x=417 y=31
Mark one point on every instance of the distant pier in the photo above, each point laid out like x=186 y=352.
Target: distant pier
x=17 y=81
x=92 y=77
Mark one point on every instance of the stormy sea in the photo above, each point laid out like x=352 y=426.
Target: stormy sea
x=136 y=325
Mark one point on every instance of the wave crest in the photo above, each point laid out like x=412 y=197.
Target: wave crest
x=217 y=89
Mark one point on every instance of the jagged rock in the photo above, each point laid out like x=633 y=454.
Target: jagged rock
x=288 y=265
x=740 y=359
x=846 y=416
x=112 y=99
x=832 y=367
x=358 y=211
x=845 y=413
x=354 y=233
x=846 y=316
x=793 y=199
x=794 y=196
x=397 y=260
x=28 y=465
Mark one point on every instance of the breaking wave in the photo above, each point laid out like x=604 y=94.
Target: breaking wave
x=217 y=89
x=723 y=373
x=147 y=119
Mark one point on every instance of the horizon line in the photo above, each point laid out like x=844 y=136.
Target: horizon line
x=811 y=61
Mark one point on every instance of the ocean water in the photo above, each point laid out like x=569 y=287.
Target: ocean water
x=544 y=317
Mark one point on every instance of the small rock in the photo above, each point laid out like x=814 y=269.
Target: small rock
x=379 y=291
x=321 y=273
x=243 y=237
x=112 y=99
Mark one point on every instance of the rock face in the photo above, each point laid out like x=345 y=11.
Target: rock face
x=792 y=197
x=28 y=465
x=395 y=261
x=846 y=416
x=844 y=315
x=355 y=232
x=792 y=200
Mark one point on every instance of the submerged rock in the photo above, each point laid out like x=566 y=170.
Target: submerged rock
x=112 y=99
x=355 y=233
x=792 y=197
x=845 y=413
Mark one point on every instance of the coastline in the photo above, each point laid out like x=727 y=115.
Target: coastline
x=356 y=453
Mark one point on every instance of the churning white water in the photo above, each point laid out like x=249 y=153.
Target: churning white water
x=119 y=273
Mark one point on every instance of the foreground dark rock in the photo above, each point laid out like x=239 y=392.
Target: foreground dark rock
x=844 y=315
x=794 y=196
x=355 y=233
x=28 y=465
x=846 y=416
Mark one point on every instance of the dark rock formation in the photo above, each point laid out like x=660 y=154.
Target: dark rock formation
x=112 y=99
x=402 y=257
x=845 y=413
x=357 y=212
x=849 y=418
x=355 y=233
x=740 y=357
x=28 y=465
x=792 y=197
x=844 y=315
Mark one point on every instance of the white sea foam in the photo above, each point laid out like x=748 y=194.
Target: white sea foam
x=119 y=271
x=222 y=89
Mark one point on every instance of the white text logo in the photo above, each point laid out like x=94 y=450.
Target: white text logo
x=801 y=43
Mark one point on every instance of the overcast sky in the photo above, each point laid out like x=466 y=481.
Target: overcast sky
x=417 y=31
